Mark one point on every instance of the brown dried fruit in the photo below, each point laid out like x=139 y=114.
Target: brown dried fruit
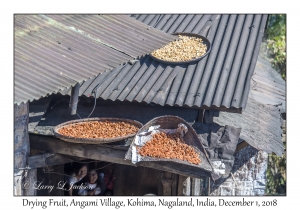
x=169 y=146
x=96 y=129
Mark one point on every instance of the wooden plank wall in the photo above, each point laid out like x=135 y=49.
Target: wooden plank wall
x=135 y=181
x=21 y=145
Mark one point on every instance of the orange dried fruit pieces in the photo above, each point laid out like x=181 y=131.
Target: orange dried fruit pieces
x=98 y=129
x=169 y=146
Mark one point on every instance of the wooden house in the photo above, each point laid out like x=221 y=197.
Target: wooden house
x=64 y=61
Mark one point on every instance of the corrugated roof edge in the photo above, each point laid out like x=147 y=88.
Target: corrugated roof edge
x=19 y=100
x=67 y=89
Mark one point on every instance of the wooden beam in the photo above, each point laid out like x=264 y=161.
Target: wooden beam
x=208 y=190
x=37 y=110
x=184 y=186
x=88 y=151
x=31 y=178
x=103 y=152
x=241 y=145
x=187 y=186
x=175 y=168
x=166 y=183
x=74 y=99
x=196 y=186
x=174 y=184
x=50 y=159
x=21 y=145
x=200 y=115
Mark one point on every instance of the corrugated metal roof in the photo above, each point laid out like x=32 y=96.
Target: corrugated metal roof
x=221 y=80
x=261 y=120
x=260 y=125
x=53 y=52
x=267 y=85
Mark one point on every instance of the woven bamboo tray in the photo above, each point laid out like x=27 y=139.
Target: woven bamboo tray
x=190 y=138
x=205 y=41
x=95 y=140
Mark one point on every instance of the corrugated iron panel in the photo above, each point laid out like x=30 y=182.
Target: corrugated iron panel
x=261 y=120
x=221 y=80
x=54 y=52
x=267 y=85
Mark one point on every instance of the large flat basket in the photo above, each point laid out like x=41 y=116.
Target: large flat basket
x=95 y=140
x=190 y=138
x=205 y=41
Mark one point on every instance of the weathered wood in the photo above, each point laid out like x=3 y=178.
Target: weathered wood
x=200 y=116
x=184 y=186
x=166 y=181
x=37 y=110
x=121 y=173
x=74 y=99
x=175 y=168
x=202 y=186
x=209 y=116
x=208 y=190
x=88 y=151
x=241 y=145
x=135 y=181
x=50 y=176
x=106 y=153
x=205 y=186
x=179 y=185
x=50 y=159
x=174 y=184
x=32 y=173
x=187 y=186
x=21 y=144
x=261 y=119
x=55 y=178
x=30 y=180
x=196 y=188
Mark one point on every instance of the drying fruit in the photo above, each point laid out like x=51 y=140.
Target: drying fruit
x=170 y=146
x=98 y=129
x=185 y=49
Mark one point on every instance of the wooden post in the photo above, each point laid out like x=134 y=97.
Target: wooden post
x=31 y=178
x=74 y=99
x=166 y=181
x=184 y=186
x=196 y=186
x=208 y=186
x=21 y=145
x=200 y=116
x=209 y=116
x=174 y=184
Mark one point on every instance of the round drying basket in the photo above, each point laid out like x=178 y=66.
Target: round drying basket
x=171 y=122
x=190 y=138
x=205 y=41
x=95 y=140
